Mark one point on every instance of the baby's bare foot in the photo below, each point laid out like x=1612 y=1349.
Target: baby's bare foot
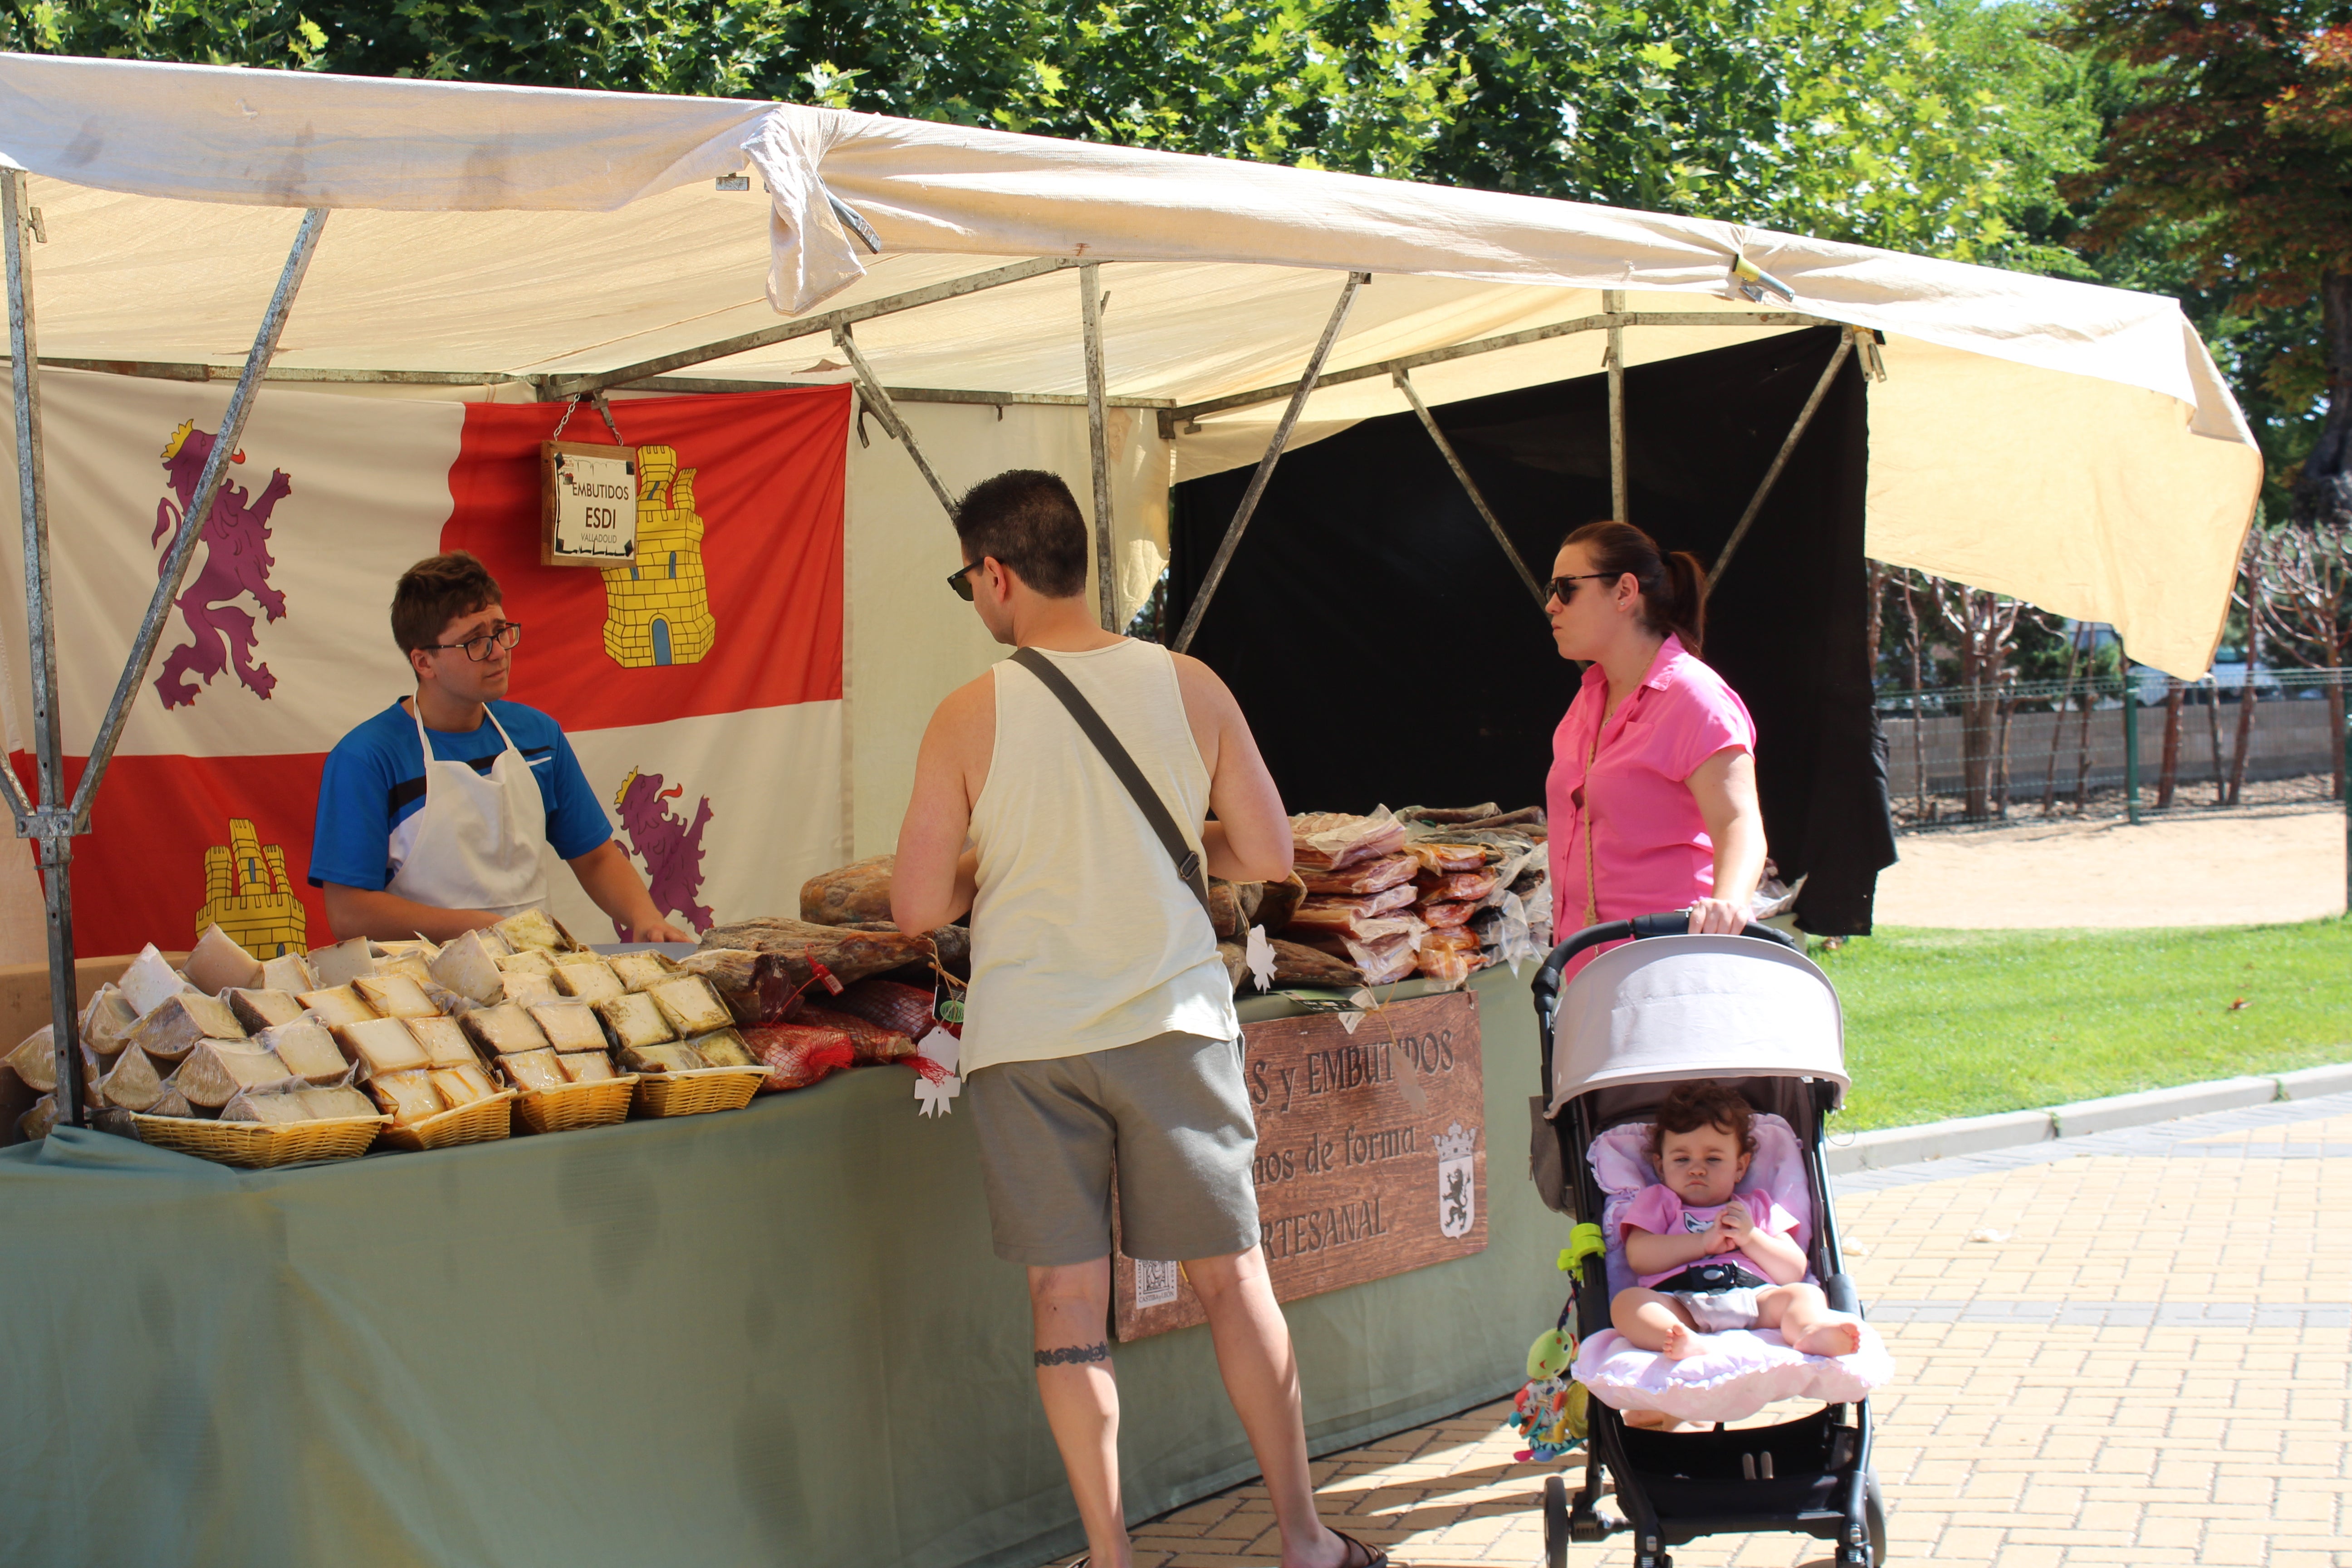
x=1681 y=1343
x=1836 y=1337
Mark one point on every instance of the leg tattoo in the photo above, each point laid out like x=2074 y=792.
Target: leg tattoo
x=1074 y=1355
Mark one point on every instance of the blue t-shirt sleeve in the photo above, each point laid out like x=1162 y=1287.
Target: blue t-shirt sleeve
x=575 y=817
x=350 y=843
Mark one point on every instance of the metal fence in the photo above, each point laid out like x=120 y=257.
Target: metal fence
x=1959 y=753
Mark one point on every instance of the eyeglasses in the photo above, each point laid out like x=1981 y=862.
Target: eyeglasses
x=478 y=648
x=1564 y=588
x=961 y=582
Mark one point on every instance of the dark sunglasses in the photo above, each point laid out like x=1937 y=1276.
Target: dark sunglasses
x=961 y=582
x=1564 y=588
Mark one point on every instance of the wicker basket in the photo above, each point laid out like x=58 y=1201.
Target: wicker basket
x=482 y=1121
x=257 y=1144
x=599 y=1102
x=698 y=1089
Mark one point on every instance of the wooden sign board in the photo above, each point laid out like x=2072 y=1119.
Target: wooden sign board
x=1372 y=1156
x=587 y=504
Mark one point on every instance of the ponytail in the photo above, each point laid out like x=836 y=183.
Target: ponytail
x=1673 y=587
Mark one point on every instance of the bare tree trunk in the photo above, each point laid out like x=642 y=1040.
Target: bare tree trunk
x=2336 y=740
x=2083 y=750
x=2058 y=717
x=2213 y=725
x=2169 y=777
x=2008 y=711
x=2246 y=695
x=1980 y=710
x=2323 y=486
x=1919 y=733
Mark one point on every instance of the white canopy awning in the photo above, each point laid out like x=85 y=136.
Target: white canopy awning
x=2067 y=444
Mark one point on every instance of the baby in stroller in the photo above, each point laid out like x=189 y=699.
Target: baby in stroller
x=1706 y=1260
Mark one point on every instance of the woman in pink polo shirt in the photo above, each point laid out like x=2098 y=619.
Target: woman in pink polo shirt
x=1653 y=788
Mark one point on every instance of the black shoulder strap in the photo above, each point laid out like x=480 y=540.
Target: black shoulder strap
x=1147 y=799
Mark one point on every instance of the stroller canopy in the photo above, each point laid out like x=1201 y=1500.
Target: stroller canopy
x=1676 y=1007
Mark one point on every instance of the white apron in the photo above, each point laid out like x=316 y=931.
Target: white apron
x=477 y=838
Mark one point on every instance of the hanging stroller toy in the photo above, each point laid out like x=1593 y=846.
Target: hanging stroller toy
x=1745 y=1012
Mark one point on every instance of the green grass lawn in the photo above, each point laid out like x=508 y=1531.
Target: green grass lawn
x=1965 y=1023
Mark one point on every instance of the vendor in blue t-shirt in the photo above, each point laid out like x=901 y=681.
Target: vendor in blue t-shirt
x=432 y=814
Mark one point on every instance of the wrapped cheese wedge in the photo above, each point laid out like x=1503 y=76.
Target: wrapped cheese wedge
x=407 y=1097
x=217 y=963
x=289 y=971
x=504 y=1030
x=638 y=970
x=526 y=961
x=447 y=1004
x=528 y=990
x=469 y=966
x=395 y=996
x=172 y=1102
x=306 y=1047
x=724 y=1049
x=660 y=1059
x=149 y=981
x=535 y=1072
x=445 y=1042
x=107 y=1021
x=419 y=946
x=217 y=1071
x=271 y=1110
x=132 y=1083
x=334 y=1104
x=35 y=1059
x=569 y=1025
x=259 y=1010
x=337 y=1005
x=690 y=1004
x=409 y=965
x=588 y=982
x=633 y=1019
x=382 y=1045
x=532 y=928
x=462 y=1086
x=576 y=955
x=94 y=1072
x=587 y=1067
x=172 y=1029
x=342 y=964
x=36 y=1123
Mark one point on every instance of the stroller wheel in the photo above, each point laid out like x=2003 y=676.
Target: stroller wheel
x=1874 y=1517
x=1555 y=1515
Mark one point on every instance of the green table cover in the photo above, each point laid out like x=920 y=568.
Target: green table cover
x=776 y=1336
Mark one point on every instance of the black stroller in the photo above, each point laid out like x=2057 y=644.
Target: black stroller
x=1750 y=1012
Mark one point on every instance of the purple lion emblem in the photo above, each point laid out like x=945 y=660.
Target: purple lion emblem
x=671 y=849
x=236 y=563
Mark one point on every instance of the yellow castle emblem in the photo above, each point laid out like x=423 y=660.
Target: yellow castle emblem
x=249 y=896
x=657 y=608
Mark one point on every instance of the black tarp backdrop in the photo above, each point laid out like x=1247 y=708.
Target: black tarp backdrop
x=1385 y=652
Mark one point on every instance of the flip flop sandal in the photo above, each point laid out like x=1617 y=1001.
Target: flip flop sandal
x=1373 y=1557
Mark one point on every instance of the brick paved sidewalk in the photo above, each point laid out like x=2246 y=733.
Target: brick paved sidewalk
x=2131 y=1350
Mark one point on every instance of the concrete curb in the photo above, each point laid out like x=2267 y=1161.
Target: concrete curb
x=1875 y=1150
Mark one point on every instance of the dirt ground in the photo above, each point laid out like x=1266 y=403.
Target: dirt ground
x=2247 y=867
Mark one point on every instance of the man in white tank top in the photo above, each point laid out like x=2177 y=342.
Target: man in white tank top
x=1100 y=1024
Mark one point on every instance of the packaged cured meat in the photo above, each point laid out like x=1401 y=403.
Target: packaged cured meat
x=1362 y=878
x=1437 y=858
x=632 y=1019
x=395 y=996
x=216 y=963
x=636 y=971
x=337 y=1005
x=857 y=892
x=791 y=947
x=1391 y=958
x=1448 y=966
x=797 y=1055
x=1412 y=814
x=1446 y=914
x=1279 y=901
x=1331 y=841
x=1453 y=887
x=899 y=1008
x=1225 y=910
x=1345 y=914
x=873 y=1043
x=1296 y=965
x=172 y=1029
x=1451 y=939
x=729 y=970
x=589 y=982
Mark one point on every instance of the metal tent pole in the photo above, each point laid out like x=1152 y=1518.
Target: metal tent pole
x=1090 y=310
x=1612 y=303
x=1780 y=458
x=51 y=826
x=870 y=387
x=1257 y=484
x=2131 y=745
x=1453 y=461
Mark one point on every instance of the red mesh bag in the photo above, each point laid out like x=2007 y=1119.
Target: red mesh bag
x=900 y=1008
x=873 y=1043
x=797 y=1055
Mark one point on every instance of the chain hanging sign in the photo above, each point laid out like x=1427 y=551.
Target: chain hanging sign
x=588 y=504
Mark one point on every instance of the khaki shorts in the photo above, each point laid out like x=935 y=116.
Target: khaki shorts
x=1172 y=1110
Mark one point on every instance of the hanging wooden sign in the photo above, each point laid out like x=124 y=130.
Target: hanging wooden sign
x=588 y=504
x=1371 y=1155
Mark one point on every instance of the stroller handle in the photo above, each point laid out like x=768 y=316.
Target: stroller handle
x=1666 y=922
